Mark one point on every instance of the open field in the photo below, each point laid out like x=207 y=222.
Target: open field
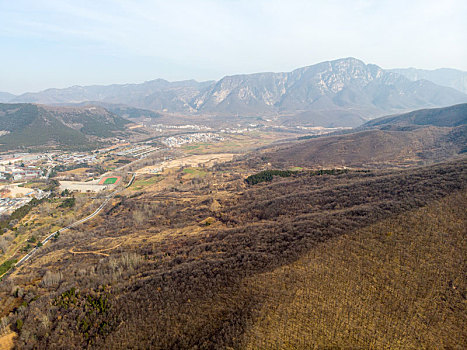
x=139 y=184
x=192 y=160
x=42 y=185
x=195 y=172
x=16 y=190
x=237 y=143
x=6 y=341
x=77 y=171
x=80 y=186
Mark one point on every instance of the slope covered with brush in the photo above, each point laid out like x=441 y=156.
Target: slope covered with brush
x=418 y=137
x=179 y=281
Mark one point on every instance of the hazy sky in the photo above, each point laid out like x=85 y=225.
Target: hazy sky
x=59 y=43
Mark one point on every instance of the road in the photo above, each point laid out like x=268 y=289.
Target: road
x=76 y=223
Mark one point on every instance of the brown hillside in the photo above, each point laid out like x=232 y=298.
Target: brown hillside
x=397 y=284
x=173 y=281
x=373 y=148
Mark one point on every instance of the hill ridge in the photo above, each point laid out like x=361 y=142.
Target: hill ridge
x=32 y=126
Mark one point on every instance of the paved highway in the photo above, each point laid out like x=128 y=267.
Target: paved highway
x=76 y=223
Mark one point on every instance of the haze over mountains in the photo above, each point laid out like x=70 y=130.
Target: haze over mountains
x=453 y=78
x=291 y=197
x=347 y=90
x=225 y=239
x=6 y=97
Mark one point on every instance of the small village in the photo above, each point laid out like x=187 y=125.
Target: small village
x=177 y=141
x=23 y=176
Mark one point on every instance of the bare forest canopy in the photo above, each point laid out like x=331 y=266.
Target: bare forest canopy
x=205 y=275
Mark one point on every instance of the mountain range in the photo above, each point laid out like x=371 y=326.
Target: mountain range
x=5 y=97
x=30 y=127
x=347 y=90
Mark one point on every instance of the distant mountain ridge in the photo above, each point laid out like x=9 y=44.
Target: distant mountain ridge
x=156 y=94
x=32 y=127
x=121 y=110
x=6 y=97
x=449 y=77
x=347 y=90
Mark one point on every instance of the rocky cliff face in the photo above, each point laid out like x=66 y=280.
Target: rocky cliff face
x=346 y=87
x=343 y=83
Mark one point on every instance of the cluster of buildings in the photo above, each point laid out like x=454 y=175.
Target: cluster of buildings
x=237 y=130
x=75 y=158
x=177 y=141
x=137 y=151
x=19 y=173
x=13 y=197
x=160 y=127
x=8 y=159
x=9 y=205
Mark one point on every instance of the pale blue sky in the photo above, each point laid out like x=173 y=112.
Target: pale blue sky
x=59 y=43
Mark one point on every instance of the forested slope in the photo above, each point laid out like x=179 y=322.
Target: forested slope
x=192 y=284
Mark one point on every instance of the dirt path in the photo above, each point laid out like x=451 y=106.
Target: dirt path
x=98 y=252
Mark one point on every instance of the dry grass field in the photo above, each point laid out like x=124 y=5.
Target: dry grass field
x=238 y=143
x=7 y=341
x=191 y=160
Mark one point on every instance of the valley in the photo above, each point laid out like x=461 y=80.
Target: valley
x=170 y=231
x=80 y=184
x=233 y=175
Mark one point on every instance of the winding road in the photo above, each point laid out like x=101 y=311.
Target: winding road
x=76 y=223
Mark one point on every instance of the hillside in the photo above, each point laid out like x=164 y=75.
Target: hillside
x=443 y=117
x=373 y=258
x=127 y=112
x=373 y=148
x=418 y=137
x=362 y=290
x=30 y=126
x=449 y=77
x=347 y=90
x=121 y=110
